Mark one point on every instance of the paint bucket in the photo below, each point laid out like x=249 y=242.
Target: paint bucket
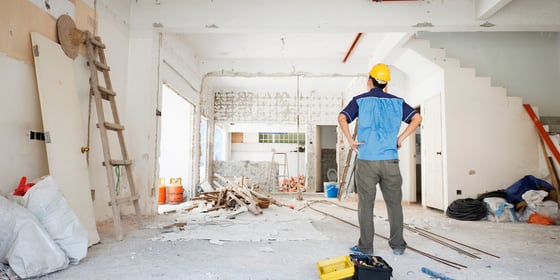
x=331 y=189
x=175 y=191
x=162 y=191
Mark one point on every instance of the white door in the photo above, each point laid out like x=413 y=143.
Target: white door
x=62 y=123
x=432 y=174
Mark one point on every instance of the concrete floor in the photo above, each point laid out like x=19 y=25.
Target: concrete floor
x=285 y=243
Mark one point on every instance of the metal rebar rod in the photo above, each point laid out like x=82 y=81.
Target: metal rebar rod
x=459 y=250
x=423 y=230
x=438 y=259
x=462 y=244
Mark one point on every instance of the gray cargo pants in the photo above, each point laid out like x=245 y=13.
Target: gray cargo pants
x=387 y=173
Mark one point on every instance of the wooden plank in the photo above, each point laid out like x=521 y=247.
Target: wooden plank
x=551 y=170
x=544 y=138
x=542 y=133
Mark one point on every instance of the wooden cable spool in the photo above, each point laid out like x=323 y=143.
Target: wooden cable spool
x=69 y=37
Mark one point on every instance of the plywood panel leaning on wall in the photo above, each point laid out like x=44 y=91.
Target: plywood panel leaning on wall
x=61 y=121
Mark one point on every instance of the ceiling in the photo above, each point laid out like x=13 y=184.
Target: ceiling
x=320 y=46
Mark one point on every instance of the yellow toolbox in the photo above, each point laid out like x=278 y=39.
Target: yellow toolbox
x=335 y=268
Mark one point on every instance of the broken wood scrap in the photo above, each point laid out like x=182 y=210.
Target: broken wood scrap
x=272 y=200
x=233 y=195
x=214 y=208
x=251 y=204
x=190 y=207
x=177 y=224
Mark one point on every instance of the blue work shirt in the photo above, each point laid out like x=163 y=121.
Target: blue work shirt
x=380 y=115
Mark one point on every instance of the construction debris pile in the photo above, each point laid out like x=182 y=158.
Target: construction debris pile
x=234 y=196
x=529 y=200
x=292 y=184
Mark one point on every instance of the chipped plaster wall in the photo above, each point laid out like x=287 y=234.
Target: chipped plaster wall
x=281 y=108
x=276 y=107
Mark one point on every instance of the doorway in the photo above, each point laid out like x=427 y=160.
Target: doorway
x=176 y=144
x=326 y=165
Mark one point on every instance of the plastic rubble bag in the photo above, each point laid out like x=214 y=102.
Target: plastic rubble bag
x=536 y=218
x=534 y=197
x=548 y=208
x=499 y=210
x=25 y=245
x=48 y=204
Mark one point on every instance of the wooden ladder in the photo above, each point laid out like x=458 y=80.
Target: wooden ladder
x=349 y=166
x=98 y=63
x=282 y=165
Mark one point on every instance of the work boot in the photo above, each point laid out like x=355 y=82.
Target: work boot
x=399 y=251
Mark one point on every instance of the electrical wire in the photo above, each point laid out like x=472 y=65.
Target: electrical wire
x=467 y=209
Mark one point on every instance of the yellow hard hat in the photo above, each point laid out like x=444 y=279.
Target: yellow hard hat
x=380 y=72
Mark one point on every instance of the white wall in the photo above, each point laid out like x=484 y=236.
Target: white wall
x=490 y=140
x=251 y=150
x=526 y=63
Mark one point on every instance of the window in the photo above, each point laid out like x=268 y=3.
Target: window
x=282 y=138
x=219 y=144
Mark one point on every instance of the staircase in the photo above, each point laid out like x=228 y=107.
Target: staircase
x=488 y=141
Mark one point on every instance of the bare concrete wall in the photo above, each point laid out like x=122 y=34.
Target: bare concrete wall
x=255 y=172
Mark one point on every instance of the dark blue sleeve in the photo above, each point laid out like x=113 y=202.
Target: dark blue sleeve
x=408 y=112
x=351 y=110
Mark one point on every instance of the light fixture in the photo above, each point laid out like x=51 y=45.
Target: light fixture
x=487 y=24
x=423 y=24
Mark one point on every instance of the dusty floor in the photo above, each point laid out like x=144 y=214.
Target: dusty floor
x=285 y=243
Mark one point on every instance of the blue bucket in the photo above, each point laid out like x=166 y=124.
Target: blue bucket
x=331 y=189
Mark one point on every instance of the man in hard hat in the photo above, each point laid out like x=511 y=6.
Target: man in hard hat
x=378 y=139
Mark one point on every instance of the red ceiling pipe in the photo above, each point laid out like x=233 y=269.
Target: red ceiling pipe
x=352 y=47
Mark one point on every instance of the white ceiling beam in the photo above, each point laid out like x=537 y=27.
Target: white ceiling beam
x=487 y=8
x=265 y=16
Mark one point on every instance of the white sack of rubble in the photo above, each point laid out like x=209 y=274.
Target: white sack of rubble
x=47 y=203
x=24 y=245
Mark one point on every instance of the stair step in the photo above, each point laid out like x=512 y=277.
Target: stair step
x=483 y=81
x=514 y=101
x=450 y=63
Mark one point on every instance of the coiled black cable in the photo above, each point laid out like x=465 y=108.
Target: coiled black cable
x=467 y=209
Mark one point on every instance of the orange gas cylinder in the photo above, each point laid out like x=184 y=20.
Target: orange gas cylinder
x=162 y=191
x=175 y=191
